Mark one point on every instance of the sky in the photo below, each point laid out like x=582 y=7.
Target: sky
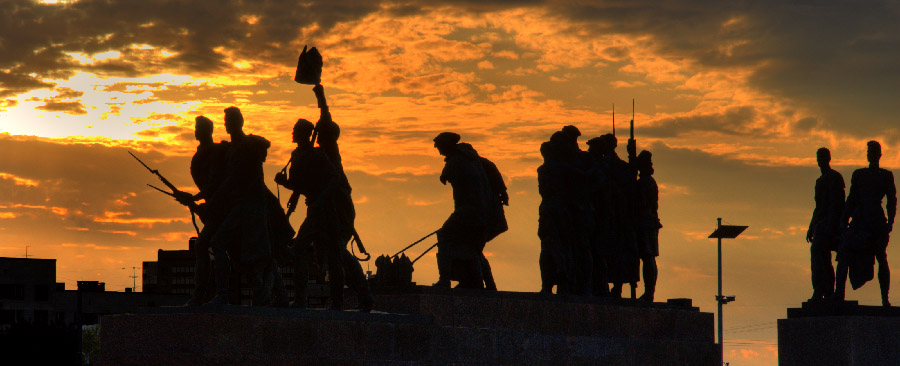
x=733 y=99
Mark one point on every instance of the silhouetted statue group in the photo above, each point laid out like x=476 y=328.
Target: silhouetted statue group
x=245 y=226
x=858 y=229
x=598 y=217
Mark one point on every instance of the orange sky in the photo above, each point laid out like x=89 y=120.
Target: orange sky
x=733 y=100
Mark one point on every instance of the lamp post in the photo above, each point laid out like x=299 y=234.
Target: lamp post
x=723 y=232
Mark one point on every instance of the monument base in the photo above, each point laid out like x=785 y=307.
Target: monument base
x=438 y=327
x=839 y=333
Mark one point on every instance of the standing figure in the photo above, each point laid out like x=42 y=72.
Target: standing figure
x=578 y=198
x=868 y=233
x=624 y=263
x=648 y=223
x=555 y=227
x=207 y=167
x=241 y=198
x=824 y=228
x=330 y=214
x=327 y=139
x=498 y=224
x=462 y=238
x=602 y=247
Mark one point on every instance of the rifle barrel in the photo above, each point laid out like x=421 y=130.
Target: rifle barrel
x=159 y=189
x=140 y=161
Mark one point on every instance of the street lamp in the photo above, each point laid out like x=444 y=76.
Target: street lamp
x=724 y=232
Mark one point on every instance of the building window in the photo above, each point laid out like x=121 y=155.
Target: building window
x=12 y=292
x=41 y=293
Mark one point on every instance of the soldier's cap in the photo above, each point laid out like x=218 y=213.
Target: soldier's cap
x=446 y=139
x=559 y=138
x=596 y=142
x=203 y=123
x=303 y=125
x=645 y=156
x=547 y=150
x=611 y=140
x=571 y=131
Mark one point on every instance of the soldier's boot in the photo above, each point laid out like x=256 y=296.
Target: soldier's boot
x=366 y=300
x=487 y=274
x=280 y=297
x=300 y=295
x=336 y=280
x=616 y=291
x=336 y=294
x=443 y=271
x=356 y=280
x=222 y=276
x=884 y=279
x=650 y=273
x=840 y=281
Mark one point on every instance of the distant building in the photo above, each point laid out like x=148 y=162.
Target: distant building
x=27 y=290
x=29 y=294
x=173 y=273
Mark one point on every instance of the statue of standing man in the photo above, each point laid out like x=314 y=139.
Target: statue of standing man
x=462 y=238
x=868 y=229
x=824 y=228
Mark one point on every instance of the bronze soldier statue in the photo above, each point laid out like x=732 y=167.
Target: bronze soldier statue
x=462 y=238
x=498 y=224
x=648 y=223
x=624 y=264
x=555 y=226
x=602 y=247
x=328 y=226
x=578 y=197
x=868 y=233
x=824 y=227
x=207 y=166
x=241 y=198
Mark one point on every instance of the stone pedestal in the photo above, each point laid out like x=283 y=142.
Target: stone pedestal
x=839 y=333
x=425 y=327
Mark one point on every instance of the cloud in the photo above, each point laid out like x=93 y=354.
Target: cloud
x=67 y=107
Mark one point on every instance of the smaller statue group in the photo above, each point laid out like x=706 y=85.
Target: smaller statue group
x=245 y=227
x=598 y=217
x=857 y=229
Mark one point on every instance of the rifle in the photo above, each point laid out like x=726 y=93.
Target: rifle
x=614 y=119
x=632 y=144
x=175 y=191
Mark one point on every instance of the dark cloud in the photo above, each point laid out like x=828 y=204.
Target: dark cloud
x=68 y=93
x=835 y=58
x=734 y=121
x=75 y=108
x=36 y=37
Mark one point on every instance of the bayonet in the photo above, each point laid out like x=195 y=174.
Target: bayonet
x=632 y=119
x=175 y=191
x=161 y=190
